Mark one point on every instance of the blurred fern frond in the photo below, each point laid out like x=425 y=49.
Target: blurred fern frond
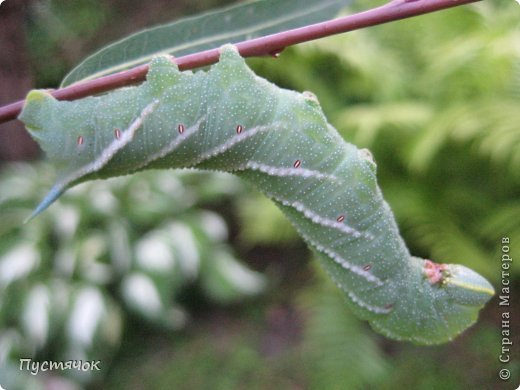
x=341 y=353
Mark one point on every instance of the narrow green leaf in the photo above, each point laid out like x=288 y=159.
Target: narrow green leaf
x=202 y=32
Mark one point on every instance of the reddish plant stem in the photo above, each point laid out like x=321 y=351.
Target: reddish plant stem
x=267 y=45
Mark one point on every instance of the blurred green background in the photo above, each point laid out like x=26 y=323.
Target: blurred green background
x=190 y=280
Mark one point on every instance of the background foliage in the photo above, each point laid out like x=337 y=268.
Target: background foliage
x=434 y=99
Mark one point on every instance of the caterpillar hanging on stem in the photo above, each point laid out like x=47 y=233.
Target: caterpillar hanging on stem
x=229 y=119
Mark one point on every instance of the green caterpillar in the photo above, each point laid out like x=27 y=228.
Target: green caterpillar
x=231 y=120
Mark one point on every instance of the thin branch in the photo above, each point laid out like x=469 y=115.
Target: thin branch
x=267 y=45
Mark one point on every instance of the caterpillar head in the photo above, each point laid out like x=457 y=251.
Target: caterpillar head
x=462 y=284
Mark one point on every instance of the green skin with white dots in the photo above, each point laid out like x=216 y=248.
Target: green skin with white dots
x=231 y=120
